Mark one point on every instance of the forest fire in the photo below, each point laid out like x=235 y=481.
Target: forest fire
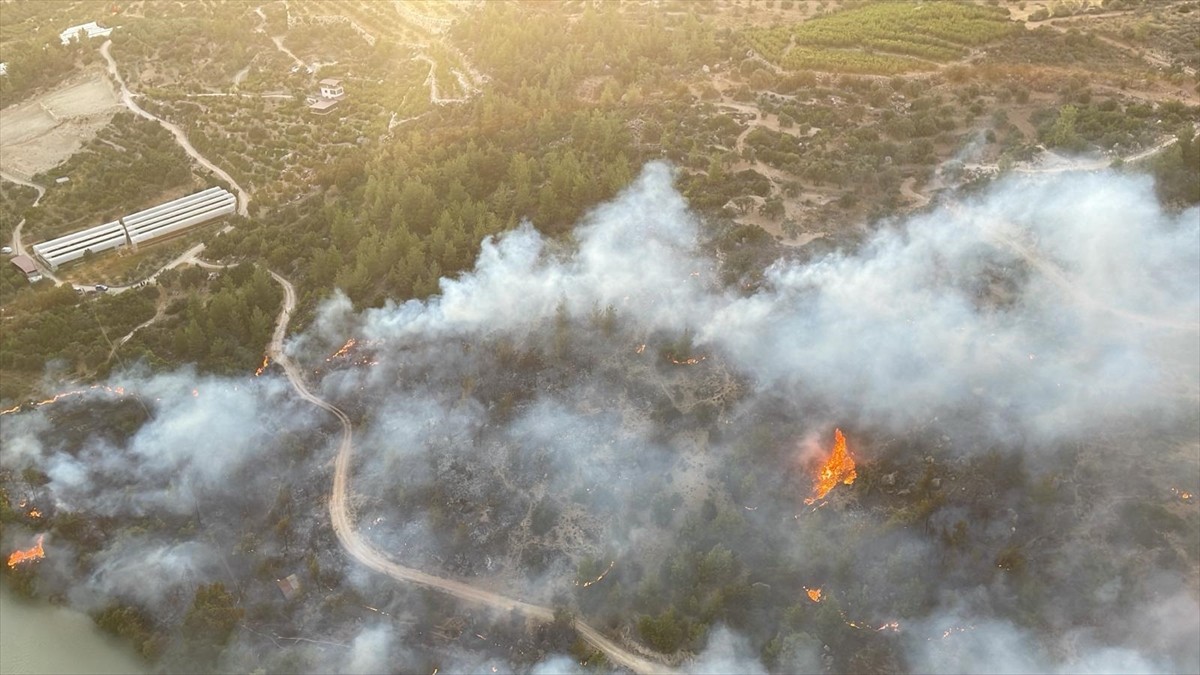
x=260 y=369
x=814 y=594
x=52 y=399
x=1183 y=495
x=599 y=578
x=893 y=626
x=837 y=468
x=690 y=361
x=345 y=352
x=951 y=631
x=119 y=391
x=345 y=349
x=36 y=552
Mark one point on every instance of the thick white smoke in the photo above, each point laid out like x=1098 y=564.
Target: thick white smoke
x=1034 y=313
x=1030 y=312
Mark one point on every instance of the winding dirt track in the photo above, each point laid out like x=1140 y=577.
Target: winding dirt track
x=354 y=544
x=21 y=181
x=180 y=137
x=18 y=245
x=1059 y=278
x=362 y=551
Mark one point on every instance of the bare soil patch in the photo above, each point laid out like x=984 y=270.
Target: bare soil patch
x=38 y=134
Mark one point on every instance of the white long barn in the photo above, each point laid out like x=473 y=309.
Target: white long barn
x=139 y=228
x=73 y=246
x=179 y=214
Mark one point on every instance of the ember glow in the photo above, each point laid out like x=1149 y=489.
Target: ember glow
x=119 y=391
x=893 y=626
x=1182 y=494
x=36 y=552
x=814 y=594
x=684 y=362
x=955 y=629
x=599 y=578
x=345 y=349
x=837 y=468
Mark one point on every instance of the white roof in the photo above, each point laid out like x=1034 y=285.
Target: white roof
x=88 y=30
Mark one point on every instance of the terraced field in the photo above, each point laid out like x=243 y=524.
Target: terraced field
x=883 y=39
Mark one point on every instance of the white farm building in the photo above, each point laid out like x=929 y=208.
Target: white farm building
x=138 y=228
x=73 y=246
x=180 y=214
x=85 y=30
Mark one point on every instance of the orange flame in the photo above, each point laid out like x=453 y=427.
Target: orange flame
x=259 y=371
x=34 y=513
x=814 y=594
x=1182 y=494
x=34 y=553
x=838 y=468
x=599 y=578
x=344 y=350
x=120 y=391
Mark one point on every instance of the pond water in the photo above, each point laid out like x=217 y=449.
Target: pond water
x=37 y=638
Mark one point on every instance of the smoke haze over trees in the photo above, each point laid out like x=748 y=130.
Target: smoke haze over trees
x=618 y=425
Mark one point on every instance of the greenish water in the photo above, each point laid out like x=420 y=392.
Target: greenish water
x=37 y=638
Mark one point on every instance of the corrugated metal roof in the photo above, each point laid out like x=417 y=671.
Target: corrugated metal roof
x=25 y=264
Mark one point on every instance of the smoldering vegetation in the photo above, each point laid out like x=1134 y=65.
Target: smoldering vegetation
x=625 y=426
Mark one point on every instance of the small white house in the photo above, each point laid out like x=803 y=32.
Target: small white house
x=331 y=88
x=87 y=30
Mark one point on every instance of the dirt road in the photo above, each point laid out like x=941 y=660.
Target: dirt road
x=18 y=245
x=1071 y=287
x=906 y=188
x=432 y=82
x=362 y=551
x=21 y=181
x=1051 y=162
x=180 y=137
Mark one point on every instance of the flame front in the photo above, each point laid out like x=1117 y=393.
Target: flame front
x=345 y=349
x=599 y=578
x=119 y=391
x=259 y=371
x=814 y=594
x=34 y=553
x=837 y=468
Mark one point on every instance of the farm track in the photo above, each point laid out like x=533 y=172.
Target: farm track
x=339 y=509
x=180 y=137
x=361 y=550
